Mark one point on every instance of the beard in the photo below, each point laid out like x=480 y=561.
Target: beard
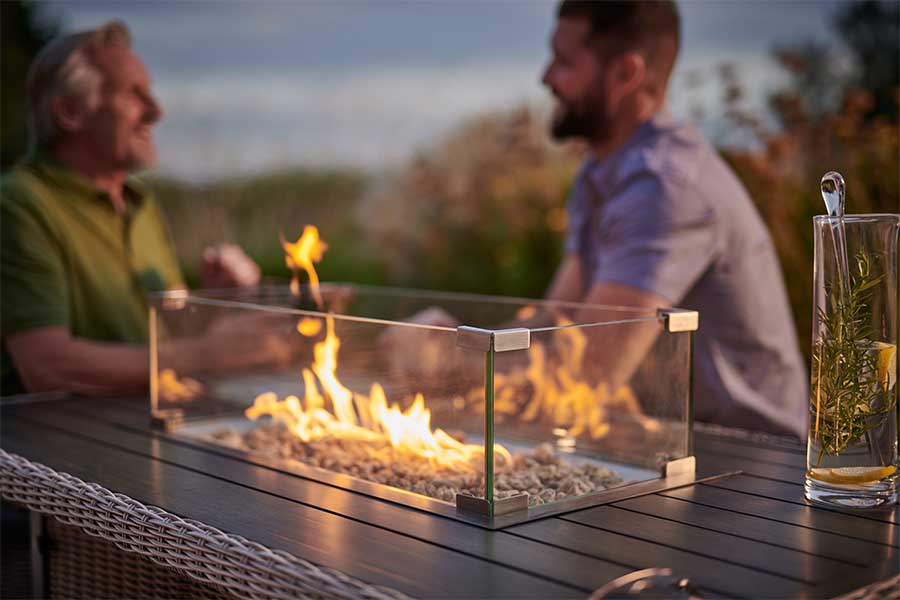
x=586 y=118
x=139 y=155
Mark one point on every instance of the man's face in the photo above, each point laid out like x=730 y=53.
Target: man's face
x=574 y=78
x=119 y=130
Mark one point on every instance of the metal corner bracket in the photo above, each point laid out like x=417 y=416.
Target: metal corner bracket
x=680 y=319
x=680 y=467
x=498 y=340
x=168 y=419
x=501 y=506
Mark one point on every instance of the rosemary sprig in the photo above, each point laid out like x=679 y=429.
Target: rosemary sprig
x=846 y=385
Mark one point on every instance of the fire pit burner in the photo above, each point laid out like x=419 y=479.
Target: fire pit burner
x=357 y=393
x=543 y=475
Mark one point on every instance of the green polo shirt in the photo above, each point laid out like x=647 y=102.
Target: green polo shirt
x=69 y=259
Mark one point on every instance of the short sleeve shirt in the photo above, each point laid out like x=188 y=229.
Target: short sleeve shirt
x=666 y=215
x=69 y=259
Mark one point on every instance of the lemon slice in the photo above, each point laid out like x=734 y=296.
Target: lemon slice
x=853 y=474
x=887 y=365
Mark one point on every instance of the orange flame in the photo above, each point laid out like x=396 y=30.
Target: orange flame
x=308 y=249
x=173 y=389
x=309 y=327
x=362 y=417
x=562 y=395
x=355 y=415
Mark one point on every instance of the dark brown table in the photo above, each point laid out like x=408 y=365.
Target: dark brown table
x=749 y=535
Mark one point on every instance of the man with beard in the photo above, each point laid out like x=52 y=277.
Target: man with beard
x=656 y=217
x=82 y=243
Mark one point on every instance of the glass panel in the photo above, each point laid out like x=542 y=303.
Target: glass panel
x=397 y=304
x=213 y=359
x=584 y=408
x=383 y=402
x=591 y=407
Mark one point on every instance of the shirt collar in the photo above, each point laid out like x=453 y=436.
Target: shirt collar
x=43 y=160
x=600 y=169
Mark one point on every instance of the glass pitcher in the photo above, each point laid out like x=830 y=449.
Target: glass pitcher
x=852 y=444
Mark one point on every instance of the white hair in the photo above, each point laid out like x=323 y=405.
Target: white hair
x=64 y=67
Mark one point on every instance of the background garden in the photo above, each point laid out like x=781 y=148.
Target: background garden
x=481 y=209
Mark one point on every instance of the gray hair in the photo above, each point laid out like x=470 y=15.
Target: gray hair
x=64 y=67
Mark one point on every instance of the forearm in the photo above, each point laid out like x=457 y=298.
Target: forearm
x=95 y=368
x=50 y=359
x=617 y=350
x=566 y=287
x=568 y=282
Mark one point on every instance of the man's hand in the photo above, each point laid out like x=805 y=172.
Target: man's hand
x=225 y=266
x=433 y=316
x=616 y=362
x=419 y=353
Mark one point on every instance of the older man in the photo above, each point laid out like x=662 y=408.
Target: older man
x=82 y=244
x=656 y=218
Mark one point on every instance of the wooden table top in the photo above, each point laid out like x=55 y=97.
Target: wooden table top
x=747 y=535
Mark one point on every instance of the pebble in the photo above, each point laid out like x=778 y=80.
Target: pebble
x=542 y=474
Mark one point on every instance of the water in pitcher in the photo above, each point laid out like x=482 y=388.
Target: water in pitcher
x=853 y=430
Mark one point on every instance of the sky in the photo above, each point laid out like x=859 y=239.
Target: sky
x=251 y=86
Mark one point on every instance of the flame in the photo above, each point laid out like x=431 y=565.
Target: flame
x=308 y=249
x=364 y=417
x=562 y=395
x=309 y=327
x=526 y=312
x=353 y=415
x=173 y=389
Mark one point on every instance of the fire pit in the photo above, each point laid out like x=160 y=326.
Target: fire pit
x=431 y=399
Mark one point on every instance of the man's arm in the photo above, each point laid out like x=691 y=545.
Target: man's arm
x=616 y=362
x=35 y=316
x=567 y=284
x=50 y=359
x=656 y=237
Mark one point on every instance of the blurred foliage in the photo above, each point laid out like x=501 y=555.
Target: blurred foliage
x=25 y=31
x=482 y=212
x=857 y=133
x=872 y=31
x=252 y=211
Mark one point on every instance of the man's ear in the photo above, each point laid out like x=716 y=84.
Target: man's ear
x=629 y=70
x=69 y=113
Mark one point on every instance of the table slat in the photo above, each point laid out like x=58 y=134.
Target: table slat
x=789 y=513
x=363 y=551
x=793 y=492
x=761 y=556
x=811 y=541
x=535 y=558
x=720 y=577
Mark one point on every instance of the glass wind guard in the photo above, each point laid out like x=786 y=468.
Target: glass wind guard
x=590 y=407
x=399 y=304
x=379 y=392
x=384 y=402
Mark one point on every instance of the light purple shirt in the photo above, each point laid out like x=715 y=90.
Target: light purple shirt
x=666 y=215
